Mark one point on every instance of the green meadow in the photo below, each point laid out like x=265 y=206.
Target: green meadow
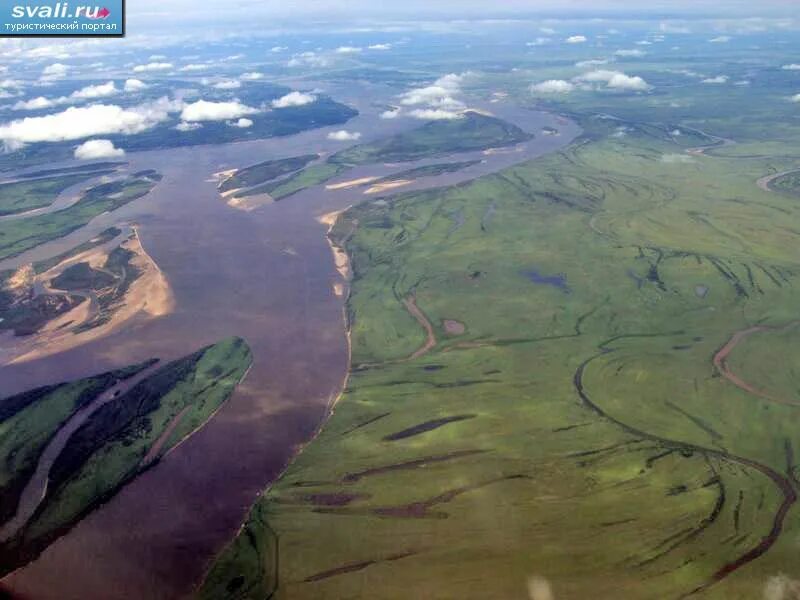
x=21 y=196
x=576 y=426
x=471 y=131
x=19 y=235
x=119 y=440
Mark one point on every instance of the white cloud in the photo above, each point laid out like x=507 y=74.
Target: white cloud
x=380 y=47
x=630 y=53
x=796 y=98
x=576 y=39
x=553 y=86
x=251 y=76
x=75 y=123
x=717 y=79
x=230 y=84
x=34 y=104
x=153 y=66
x=548 y=30
x=540 y=41
x=243 y=123
x=344 y=136
x=277 y=49
x=55 y=71
x=157 y=57
x=91 y=92
x=348 y=50
x=308 y=59
x=194 y=67
x=97 y=149
x=203 y=110
x=620 y=81
x=791 y=67
x=592 y=62
x=616 y=80
x=390 y=114
x=438 y=95
x=184 y=126
x=134 y=85
x=293 y=99
x=720 y=39
x=434 y=114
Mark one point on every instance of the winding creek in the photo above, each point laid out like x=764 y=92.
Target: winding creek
x=266 y=275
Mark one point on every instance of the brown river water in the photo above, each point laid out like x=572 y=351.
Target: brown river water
x=265 y=275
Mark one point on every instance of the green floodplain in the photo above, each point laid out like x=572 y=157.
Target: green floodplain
x=426 y=171
x=22 y=196
x=471 y=131
x=265 y=171
x=25 y=311
x=17 y=236
x=787 y=184
x=118 y=441
x=549 y=358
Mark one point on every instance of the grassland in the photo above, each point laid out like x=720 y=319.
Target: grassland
x=426 y=171
x=22 y=196
x=98 y=168
x=265 y=171
x=579 y=432
x=308 y=177
x=125 y=436
x=29 y=420
x=472 y=131
x=23 y=234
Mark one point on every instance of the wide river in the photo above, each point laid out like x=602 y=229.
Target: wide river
x=265 y=275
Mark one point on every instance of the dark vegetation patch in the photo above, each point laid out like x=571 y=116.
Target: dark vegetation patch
x=98 y=168
x=22 y=196
x=427 y=171
x=787 y=184
x=353 y=567
x=410 y=464
x=23 y=446
x=473 y=131
x=18 y=236
x=558 y=281
x=426 y=426
x=265 y=171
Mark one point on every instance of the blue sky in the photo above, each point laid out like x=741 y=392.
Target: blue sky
x=243 y=10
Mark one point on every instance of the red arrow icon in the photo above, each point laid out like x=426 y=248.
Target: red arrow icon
x=103 y=13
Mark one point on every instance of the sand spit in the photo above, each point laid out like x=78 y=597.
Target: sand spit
x=389 y=185
x=222 y=176
x=340 y=258
x=148 y=297
x=249 y=203
x=346 y=185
